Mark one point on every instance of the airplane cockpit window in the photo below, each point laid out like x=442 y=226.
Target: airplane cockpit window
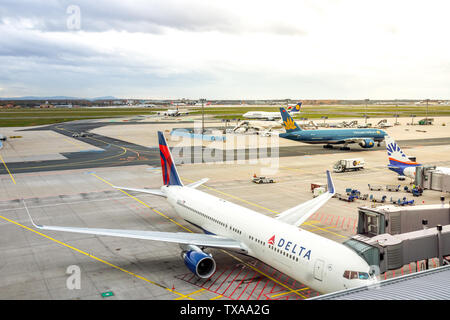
x=356 y=275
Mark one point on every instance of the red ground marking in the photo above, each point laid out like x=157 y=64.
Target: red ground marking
x=337 y=221
x=393 y=273
x=321 y=217
x=434 y=263
x=240 y=282
x=418 y=266
x=248 y=284
x=402 y=270
x=224 y=281
x=265 y=285
x=354 y=225
x=385 y=275
x=331 y=221
x=263 y=289
x=254 y=288
x=410 y=270
x=342 y=224
x=348 y=223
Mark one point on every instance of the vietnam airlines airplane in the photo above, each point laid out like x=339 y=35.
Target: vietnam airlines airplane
x=401 y=164
x=271 y=115
x=315 y=261
x=366 y=138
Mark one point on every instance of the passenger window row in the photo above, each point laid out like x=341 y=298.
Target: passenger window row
x=223 y=224
x=284 y=253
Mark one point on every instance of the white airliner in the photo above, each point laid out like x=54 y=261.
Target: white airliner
x=173 y=112
x=317 y=262
x=271 y=115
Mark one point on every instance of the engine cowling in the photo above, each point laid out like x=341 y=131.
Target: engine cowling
x=200 y=263
x=367 y=143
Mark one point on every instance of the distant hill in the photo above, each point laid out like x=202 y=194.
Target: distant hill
x=59 y=98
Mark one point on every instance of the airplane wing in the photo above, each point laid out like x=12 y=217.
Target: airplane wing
x=299 y=214
x=198 y=239
x=155 y=192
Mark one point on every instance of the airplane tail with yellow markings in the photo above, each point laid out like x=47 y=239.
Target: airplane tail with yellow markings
x=288 y=122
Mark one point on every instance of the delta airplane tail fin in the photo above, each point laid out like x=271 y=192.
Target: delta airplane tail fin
x=295 y=109
x=288 y=122
x=168 y=169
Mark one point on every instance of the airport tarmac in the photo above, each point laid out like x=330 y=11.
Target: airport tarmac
x=33 y=264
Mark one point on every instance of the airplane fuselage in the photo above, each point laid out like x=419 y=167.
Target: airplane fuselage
x=313 y=260
x=334 y=136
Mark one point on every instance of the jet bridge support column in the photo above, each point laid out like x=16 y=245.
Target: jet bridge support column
x=439 y=238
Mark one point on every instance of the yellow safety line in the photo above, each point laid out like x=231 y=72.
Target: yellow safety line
x=218 y=297
x=284 y=293
x=12 y=178
x=323 y=229
x=95 y=258
x=191 y=294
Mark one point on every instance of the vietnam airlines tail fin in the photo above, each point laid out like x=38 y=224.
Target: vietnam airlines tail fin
x=168 y=169
x=397 y=158
x=295 y=109
x=288 y=122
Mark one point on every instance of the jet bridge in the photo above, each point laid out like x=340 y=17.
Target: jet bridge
x=391 y=237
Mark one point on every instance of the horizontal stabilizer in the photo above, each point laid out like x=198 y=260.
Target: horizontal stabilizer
x=155 y=192
x=197 y=183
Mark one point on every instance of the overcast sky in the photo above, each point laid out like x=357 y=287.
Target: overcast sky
x=311 y=49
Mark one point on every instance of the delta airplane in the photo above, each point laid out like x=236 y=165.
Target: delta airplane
x=315 y=261
x=366 y=138
x=401 y=164
x=271 y=115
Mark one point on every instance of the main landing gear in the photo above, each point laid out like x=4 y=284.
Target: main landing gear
x=328 y=146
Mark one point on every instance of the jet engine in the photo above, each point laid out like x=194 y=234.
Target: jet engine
x=367 y=143
x=200 y=263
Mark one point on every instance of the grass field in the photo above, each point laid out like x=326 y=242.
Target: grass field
x=27 y=117
x=34 y=117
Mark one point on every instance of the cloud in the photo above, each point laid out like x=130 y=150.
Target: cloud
x=233 y=49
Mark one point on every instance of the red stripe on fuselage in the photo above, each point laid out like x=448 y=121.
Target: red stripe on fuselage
x=402 y=161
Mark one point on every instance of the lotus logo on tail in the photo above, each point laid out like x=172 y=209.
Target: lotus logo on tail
x=271 y=240
x=289 y=124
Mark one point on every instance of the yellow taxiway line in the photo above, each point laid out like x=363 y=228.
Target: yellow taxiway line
x=12 y=178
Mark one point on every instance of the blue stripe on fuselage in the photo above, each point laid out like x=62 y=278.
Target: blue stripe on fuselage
x=399 y=167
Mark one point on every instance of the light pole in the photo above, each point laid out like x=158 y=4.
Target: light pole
x=203 y=114
x=365 y=113
x=426 y=117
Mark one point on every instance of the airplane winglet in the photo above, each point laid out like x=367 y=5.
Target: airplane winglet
x=29 y=215
x=330 y=183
